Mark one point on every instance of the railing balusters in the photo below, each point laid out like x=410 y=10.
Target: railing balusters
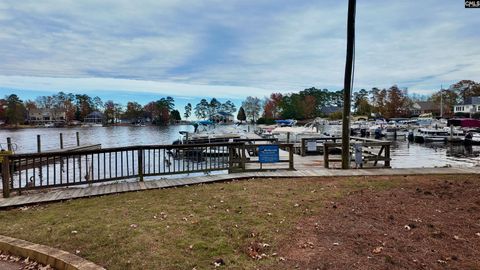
x=121 y=162
x=116 y=164
x=98 y=166
x=133 y=163
x=92 y=169
x=73 y=165
x=54 y=171
x=128 y=170
x=110 y=164
x=67 y=170
x=26 y=175
x=80 y=168
x=10 y=172
x=43 y=168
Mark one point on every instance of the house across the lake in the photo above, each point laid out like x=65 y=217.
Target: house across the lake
x=328 y=110
x=423 y=107
x=469 y=105
x=222 y=117
x=45 y=116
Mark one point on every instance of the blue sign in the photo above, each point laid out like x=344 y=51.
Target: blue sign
x=268 y=153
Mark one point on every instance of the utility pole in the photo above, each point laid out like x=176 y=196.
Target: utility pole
x=347 y=85
x=441 y=101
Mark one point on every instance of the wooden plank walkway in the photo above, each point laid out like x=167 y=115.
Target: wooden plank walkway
x=53 y=195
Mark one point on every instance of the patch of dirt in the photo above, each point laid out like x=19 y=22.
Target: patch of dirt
x=431 y=225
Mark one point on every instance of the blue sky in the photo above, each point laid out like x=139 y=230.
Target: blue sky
x=126 y=50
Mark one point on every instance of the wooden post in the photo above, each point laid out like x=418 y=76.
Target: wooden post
x=325 y=155
x=243 y=157
x=39 y=144
x=387 y=155
x=288 y=137
x=302 y=148
x=140 y=164
x=78 y=138
x=6 y=176
x=347 y=85
x=61 y=140
x=290 y=158
x=230 y=159
x=9 y=144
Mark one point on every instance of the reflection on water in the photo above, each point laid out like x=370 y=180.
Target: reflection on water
x=26 y=139
x=404 y=154
x=414 y=155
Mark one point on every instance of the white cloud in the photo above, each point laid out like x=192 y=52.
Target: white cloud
x=119 y=85
x=260 y=45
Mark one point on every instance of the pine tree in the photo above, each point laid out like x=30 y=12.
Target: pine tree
x=241 y=115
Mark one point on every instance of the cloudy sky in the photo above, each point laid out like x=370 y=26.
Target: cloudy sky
x=123 y=49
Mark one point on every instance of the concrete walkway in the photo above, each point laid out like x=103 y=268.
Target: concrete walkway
x=97 y=190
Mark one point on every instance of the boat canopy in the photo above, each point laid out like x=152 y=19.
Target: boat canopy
x=286 y=122
x=464 y=122
x=204 y=122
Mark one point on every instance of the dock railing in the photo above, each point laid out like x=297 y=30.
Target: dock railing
x=22 y=172
x=318 y=140
x=372 y=151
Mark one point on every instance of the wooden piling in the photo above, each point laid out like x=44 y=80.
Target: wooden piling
x=39 y=144
x=78 y=138
x=61 y=140
x=6 y=176
x=9 y=144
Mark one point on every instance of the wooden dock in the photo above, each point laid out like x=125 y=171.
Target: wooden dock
x=28 y=164
x=84 y=147
x=52 y=195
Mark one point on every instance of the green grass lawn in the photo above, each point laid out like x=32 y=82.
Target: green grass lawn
x=184 y=228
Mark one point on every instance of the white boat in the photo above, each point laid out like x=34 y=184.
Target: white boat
x=396 y=132
x=92 y=125
x=436 y=135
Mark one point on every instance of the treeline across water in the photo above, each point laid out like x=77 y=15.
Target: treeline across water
x=306 y=104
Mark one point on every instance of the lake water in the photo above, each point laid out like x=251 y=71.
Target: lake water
x=404 y=154
x=26 y=139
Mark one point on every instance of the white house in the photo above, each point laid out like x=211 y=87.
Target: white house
x=470 y=105
x=222 y=117
x=46 y=116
